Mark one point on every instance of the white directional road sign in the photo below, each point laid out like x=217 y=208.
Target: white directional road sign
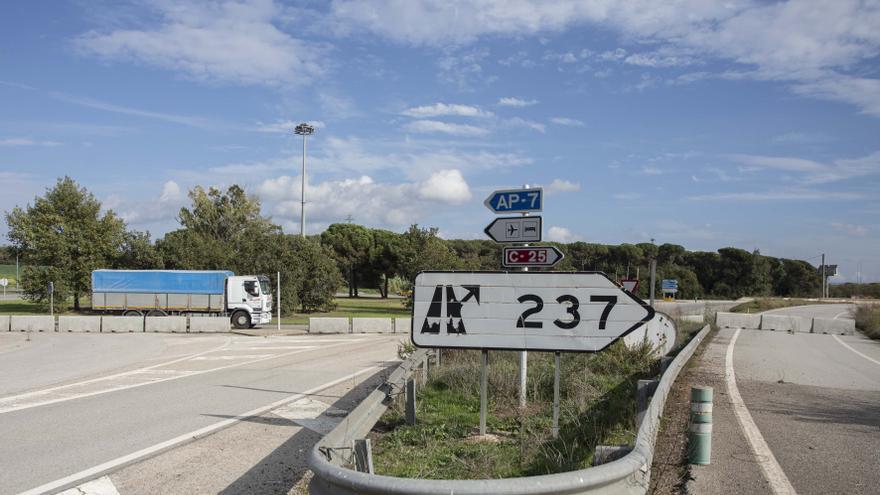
x=516 y=200
x=4 y=282
x=515 y=229
x=536 y=256
x=581 y=312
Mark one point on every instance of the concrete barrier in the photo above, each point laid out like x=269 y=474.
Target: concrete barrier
x=785 y=323
x=122 y=324
x=32 y=323
x=165 y=324
x=208 y=324
x=402 y=325
x=737 y=320
x=329 y=325
x=840 y=326
x=79 y=323
x=372 y=325
x=4 y=323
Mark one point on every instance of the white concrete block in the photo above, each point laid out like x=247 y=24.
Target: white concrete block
x=738 y=320
x=402 y=325
x=122 y=324
x=209 y=324
x=4 y=323
x=839 y=326
x=328 y=325
x=79 y=323
x=32 y=323
x=372 y=325
x=165 y=324
x=785 y=323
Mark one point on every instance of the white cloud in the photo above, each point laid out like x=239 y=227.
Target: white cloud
x=567 y=121
x=628 y=196
x=446 y=109
x=562 y=234
x=651 y=170
x=529 y=124
x=231 y=41
x=447 y=186
x=160 y=211
x=19 y=141
x=815 y=172
x=812 y=45
x=796 y=195
x=850 y=229
x=368 y=201
x=187 y=120
x=436 y=126
x=516 y=102
x=561 y=186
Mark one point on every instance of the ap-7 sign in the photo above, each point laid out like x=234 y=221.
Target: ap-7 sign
x=583 y=312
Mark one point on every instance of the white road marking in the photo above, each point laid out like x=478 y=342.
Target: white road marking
x=773 y=472
x=109 y=466
x=838 y=315
x=100 y=486
x=233 y=357
x=841 y=342
x=14 y=403
x=313 y=414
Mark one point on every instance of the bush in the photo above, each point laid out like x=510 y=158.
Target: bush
x=868 y=320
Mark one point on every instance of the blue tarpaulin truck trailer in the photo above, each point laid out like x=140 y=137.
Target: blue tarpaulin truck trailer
x=161 y=292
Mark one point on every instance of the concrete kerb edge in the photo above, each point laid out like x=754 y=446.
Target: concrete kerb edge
x=628 y=475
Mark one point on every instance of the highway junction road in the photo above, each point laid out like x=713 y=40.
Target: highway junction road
x=794 y=412
x=162 y=413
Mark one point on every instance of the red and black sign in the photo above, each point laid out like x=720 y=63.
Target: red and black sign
x=536 y=256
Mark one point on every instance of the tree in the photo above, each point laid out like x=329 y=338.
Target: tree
x=66 y=232
x=351 y=245
x=424 y=250
x=137 y=252
x=385 y=257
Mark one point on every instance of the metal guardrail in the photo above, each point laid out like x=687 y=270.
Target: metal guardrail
x=627 y=475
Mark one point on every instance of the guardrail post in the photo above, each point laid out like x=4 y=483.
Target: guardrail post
x=363 y=455
x=644 y=390
x=410 y=401
x=425 y=369
x=700 y=438
x=607 y=453
x=438 y=357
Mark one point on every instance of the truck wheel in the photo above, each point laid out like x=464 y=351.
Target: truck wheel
x=241 y=319
x=156 y=312
x=132 y=312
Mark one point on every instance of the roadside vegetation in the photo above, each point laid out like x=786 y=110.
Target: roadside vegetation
x=760 y=304
x=868 y=320
x=597 y=406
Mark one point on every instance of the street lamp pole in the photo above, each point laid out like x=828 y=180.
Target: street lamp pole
x=303 y=130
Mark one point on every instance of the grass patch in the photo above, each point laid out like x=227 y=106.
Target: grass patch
x=767 y=303
x=868 y=320
x=22 y=307
x=597 y=407
x=356 y=307
x=8 y=272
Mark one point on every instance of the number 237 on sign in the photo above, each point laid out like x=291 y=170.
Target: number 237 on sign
x=582 y=312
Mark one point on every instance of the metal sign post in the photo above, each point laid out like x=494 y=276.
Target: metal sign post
x=278 y=298
x=4 y=283
x=52 y=299
x=555 y=429
x=484 y=385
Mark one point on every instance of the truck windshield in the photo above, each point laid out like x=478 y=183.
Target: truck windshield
x=264 y=284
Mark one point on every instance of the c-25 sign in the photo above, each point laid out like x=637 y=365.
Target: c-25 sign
x=581 y=312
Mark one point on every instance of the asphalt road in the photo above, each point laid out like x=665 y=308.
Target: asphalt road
x=814 y=401
x=117 y=399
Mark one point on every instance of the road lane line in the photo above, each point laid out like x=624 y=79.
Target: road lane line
x=841 y=342
x=183 y=374
x=773 y=472
x=158 y=448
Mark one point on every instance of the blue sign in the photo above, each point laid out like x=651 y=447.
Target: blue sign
x=516 y=200
x=669 y=284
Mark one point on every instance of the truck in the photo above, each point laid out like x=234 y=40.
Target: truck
x=245 y=299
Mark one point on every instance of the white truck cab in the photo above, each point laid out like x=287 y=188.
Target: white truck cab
x=249 y=300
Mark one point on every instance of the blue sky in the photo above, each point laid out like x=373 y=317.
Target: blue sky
x=707 y=124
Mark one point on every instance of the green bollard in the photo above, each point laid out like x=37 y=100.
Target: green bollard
x=700 y=438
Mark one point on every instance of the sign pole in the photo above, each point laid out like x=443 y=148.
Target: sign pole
x=484 y=385
x=278 y=279
x=524 y=355
x=653 y=276
x=555 y=429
